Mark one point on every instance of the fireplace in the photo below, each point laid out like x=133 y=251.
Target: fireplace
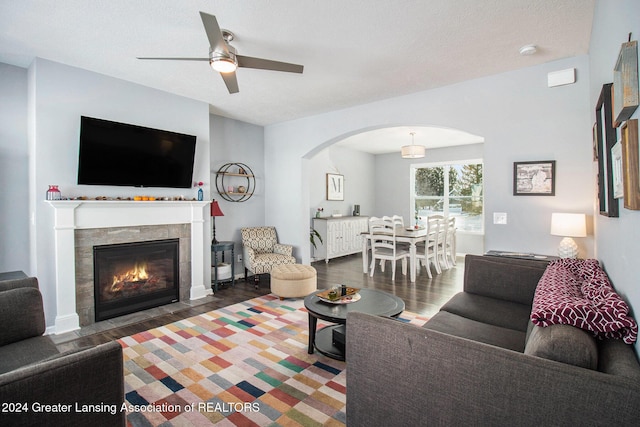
x=130 y=277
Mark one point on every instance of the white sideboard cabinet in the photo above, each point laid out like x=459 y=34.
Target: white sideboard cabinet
x=340 y=236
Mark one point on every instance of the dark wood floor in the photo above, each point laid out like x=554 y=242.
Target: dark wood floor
x=425 y=296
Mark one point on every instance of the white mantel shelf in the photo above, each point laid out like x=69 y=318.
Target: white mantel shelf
x=71 y=215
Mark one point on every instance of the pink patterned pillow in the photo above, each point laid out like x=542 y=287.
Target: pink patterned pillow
x=578 y=293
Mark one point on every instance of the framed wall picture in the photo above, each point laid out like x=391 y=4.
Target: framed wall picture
x=335 y=186
x=625 y=83
x=617 y=171
x=534 y=178
x=630 y=162
x=606 y=134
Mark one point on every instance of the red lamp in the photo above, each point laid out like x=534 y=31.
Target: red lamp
x=215 y=211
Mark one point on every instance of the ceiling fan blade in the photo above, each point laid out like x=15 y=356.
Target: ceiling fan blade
x=267 y=64
x=216 y=42
x=175 y=59
x=231 y=81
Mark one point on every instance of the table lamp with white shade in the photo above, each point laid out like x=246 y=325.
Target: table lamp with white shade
x=568 y=225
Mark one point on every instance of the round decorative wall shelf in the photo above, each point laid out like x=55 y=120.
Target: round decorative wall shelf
x=235 y=182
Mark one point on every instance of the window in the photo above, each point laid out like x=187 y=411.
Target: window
x=453 y=189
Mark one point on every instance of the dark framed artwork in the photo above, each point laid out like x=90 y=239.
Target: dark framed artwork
x=606 y=134
x=630 y=162
x=335 y=186
x=536 y=178
x=625 y=83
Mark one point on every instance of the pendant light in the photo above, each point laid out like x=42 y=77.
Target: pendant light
x=413 y=151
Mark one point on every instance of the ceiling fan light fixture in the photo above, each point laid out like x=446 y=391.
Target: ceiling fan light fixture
x=223 y=62
x=224 y=65
x=413 y=151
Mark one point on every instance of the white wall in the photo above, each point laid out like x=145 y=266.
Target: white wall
x=14 y=164
x=617 y=242
x=359 y=173
x=233 y=141
x=58 y=96
x=519 y=117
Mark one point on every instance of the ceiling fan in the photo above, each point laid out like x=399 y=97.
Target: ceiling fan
x=224 y=58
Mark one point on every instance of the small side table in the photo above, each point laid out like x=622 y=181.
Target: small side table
x=222 y=247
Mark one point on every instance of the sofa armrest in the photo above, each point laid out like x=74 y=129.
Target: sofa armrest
x=27 y=282
x=92 y=376
x=22 y=313
x=400 y=374
x=508 y=279
x=281 y=249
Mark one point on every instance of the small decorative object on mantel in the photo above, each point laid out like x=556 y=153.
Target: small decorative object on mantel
x=53 y=193
x=319 y=212
x=534 y=178
x=199 y=184
x=625 y=82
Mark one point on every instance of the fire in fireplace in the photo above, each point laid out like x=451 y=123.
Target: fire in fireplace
x=130 y=277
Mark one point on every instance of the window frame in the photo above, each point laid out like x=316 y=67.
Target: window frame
x=412 y=187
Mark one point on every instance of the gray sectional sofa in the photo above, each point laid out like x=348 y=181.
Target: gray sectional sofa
x=39 y=386
x=481 y=361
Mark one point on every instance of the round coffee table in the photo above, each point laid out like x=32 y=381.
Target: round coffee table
x=371 y=301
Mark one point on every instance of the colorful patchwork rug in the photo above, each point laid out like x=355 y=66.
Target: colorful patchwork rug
x=242 y=365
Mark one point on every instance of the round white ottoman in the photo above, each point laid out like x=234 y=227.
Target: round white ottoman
x=293 y=280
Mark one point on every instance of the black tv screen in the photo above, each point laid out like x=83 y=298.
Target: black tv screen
x=114 y=153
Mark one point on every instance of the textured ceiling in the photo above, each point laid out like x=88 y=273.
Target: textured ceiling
x=354 y=52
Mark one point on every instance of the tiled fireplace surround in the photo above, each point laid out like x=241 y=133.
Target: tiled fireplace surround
x=80 y=225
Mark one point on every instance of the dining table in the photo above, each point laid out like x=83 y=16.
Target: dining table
x=403 y=235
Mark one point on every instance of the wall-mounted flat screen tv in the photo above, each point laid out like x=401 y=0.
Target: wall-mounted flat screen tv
x=114 y=153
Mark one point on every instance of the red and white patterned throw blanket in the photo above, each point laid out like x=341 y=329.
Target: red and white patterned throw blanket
x=578 y=293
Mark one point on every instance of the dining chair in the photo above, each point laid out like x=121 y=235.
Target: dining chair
x=427 y=251
x=450 y=243
x=398 y=221
x=382 y=234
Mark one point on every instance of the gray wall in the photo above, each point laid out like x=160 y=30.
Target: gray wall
x=617 y=239
x=519 y=117
x=233 y=141
x=14 y=176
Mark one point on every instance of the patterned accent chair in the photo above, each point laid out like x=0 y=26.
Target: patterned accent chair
x=262 y=251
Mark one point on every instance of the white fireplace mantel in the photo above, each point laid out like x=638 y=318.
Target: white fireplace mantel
x=71 y=215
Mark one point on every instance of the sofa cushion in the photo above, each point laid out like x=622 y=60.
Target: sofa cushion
x=28 y=282
x=493 y=311
x=578 y=293
x=509 y=279
x=459 y=326
x=22 y=314
x=563 y=343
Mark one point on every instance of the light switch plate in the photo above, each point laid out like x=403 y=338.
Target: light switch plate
x=499 y=217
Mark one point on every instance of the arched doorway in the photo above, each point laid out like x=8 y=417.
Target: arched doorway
x=375 y=176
